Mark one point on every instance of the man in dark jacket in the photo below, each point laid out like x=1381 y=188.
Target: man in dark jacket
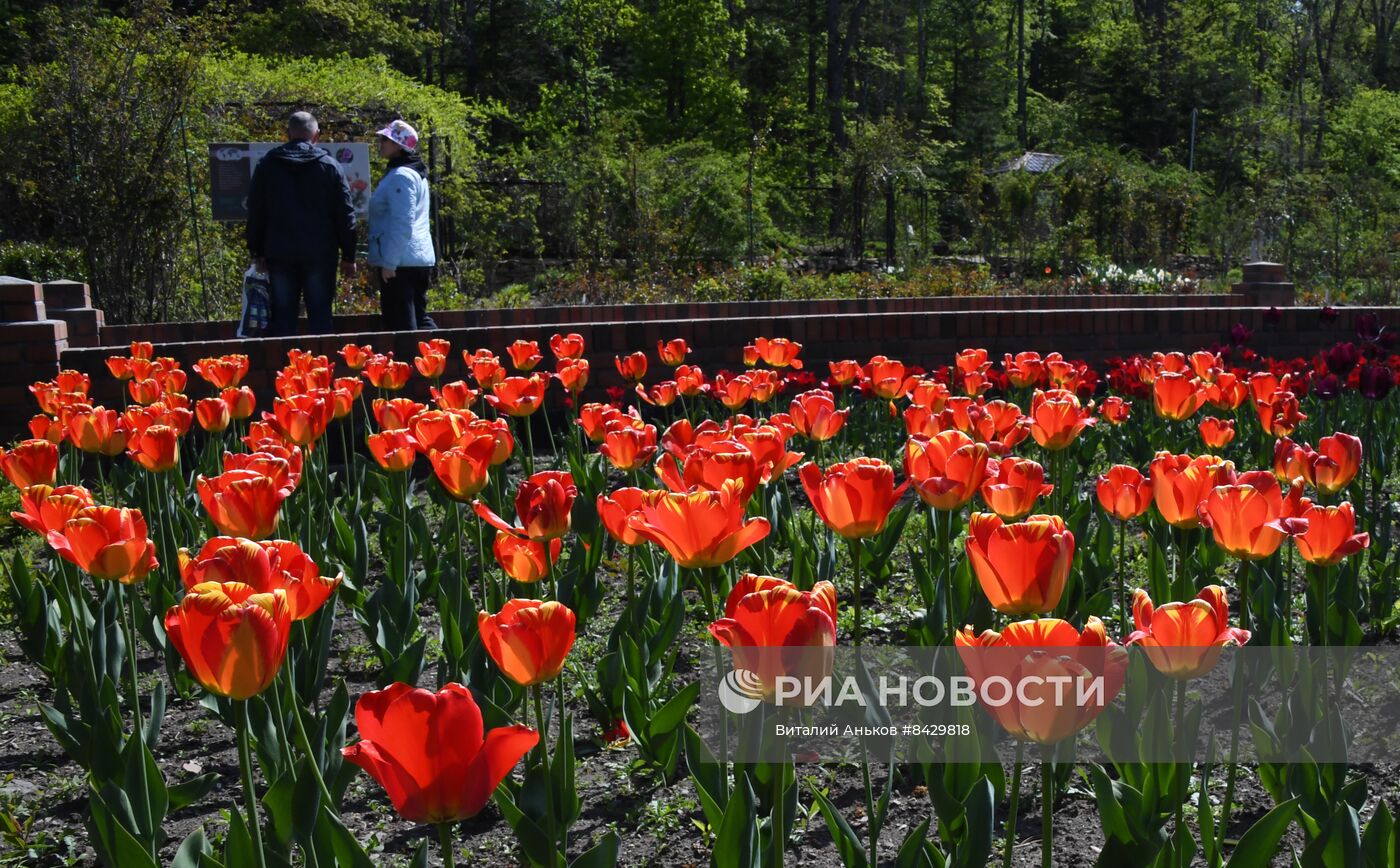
x=299 y=216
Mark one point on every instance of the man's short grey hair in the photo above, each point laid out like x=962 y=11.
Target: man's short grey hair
x=302 y=125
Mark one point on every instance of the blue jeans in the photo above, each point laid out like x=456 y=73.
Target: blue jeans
x=290 y=282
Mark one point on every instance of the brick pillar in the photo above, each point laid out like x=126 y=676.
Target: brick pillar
x=1267 y=284
x=30 y=345
x=71 y=302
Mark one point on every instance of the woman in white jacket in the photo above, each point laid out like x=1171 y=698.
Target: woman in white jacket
x=400 y=243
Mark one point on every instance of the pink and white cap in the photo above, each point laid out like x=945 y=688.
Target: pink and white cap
x=401 y=134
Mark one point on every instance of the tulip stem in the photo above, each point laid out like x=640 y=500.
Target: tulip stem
x=1047 y=807
x=1122 y=571
x=1015 y=804
x=449 y=855
x=250 y=796
x=1236 y=703
x=1183 y=771
x=137 y=728
x=537 y=693
x=856 y=545
x=305 y=744
x=529 y=457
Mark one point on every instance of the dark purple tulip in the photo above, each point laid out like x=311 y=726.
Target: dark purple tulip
x=1328 y=388
x=1273 y=316
x=1342 y=358
x=1328 y=315
x=1376 y=381
x=1368 y=328
x=1240 y=334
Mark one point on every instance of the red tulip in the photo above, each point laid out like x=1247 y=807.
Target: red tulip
x=44 y=508
x=394 y=449
x=1248 y=517
x=518 y=396
x=524 y=355
x=431 y=751
x=1331 y=534
x=267 y=566
x=568 y=346
x=633 y=368
x=1022 y=567
x=764 y=618
x=698 y=528
x=242 y=503
x=815 y=416
x=544 y=503
x=1013 y=486
x=946 y=469
x=672 y=352
x=615 y=509
x=525 y=560
x=1216 y=433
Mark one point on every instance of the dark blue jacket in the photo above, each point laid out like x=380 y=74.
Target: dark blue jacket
x=299 y=207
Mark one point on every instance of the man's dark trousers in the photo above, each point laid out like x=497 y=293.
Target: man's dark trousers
x=291 y=282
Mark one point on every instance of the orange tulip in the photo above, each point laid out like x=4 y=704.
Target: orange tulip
x=815 y=416
x=768 y=443
x=499 y=429
x=524 y=560
x=569 y=346
x=98 y=430
x=1183 y=640
x=628 y=448
x=267 y=566
x=929 y=394
x=31 y=462
x=1281 y=414
x=1227 y=392
x=524 y=355
x=431 y=365
x=119 y=367
x=242 y=502
x=1057 y=417
x=156 y=448
x=663 y=394
x=572 y=375
x=779 y=352
x=633 y=367
x=844 y=373
x=1048 y=665
x=1124 y=492
x=486 y=368
x=698 y=528
x=615 y=509
x=888 y=378
x=1177 y=396
x=1335 y=463
x=44 y=508
x=107 y=542
x=1216 y=433
x=710 y=467
x=384 y=372
x=356 y=357
x=431 y=751
x=732 y=392
x=764 y=616
x=1263 y=385
x=528 y=639
x=946 y=469
x=394 y=449
x=1290 y=460
x=765 y=384
x=465 y=469
x=44 y=427
x=232 y=638
x=1115 y=410
x=223 y=372
x=1021 y=567
x=690 y=381
x=302 y=419
x=1024 y=370
x=456 y=395
x=441 y=346
x=672 y=352
x=1331 y=534
x=278 y=463
x=1180 y=483
x=1247 y=516
x=212 y=414
x=1013 y=486
x=544 y=503
x=853 y=498
x=518 y=396
x=438 y=429
x=396 y=412
x=240 y=401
